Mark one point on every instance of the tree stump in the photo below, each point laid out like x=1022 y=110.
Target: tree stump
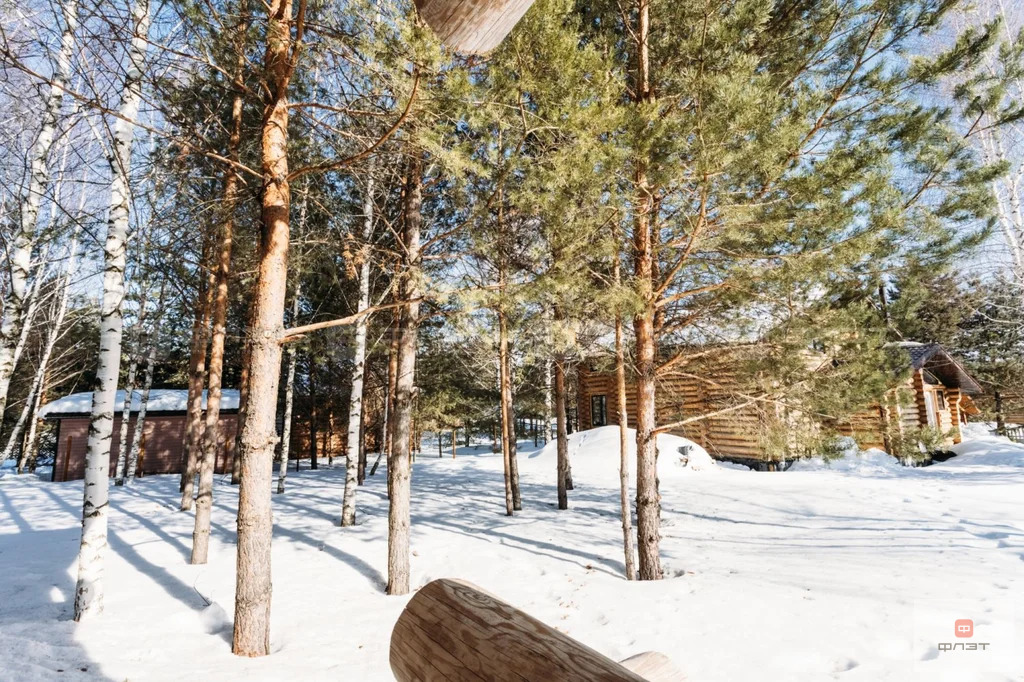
x=451 y=630
x=472 y=26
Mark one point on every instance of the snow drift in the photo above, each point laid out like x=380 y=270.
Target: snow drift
x=595 y=454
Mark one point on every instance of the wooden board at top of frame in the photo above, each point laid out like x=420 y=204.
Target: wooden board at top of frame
x=472 y=26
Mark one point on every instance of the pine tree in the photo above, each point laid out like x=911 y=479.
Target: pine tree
x=761 y=168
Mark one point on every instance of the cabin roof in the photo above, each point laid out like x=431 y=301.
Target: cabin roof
x=160 y=400
x=935 y=359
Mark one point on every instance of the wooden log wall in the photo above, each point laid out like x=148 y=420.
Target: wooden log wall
x=745 y=432
x=738 y=432
x=867 y=427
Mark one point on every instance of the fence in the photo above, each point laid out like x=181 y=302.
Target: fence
x=1015 y=433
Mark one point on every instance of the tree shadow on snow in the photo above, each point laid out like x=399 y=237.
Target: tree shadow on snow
x=37 y=633
x=168 y=582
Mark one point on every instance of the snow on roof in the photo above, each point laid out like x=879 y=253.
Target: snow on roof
x=160 y=400
x=938 y=361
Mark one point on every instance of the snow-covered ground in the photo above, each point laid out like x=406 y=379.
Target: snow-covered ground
x=854 y=572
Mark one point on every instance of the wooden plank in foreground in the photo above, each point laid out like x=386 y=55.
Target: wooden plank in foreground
x=472 y=26
x=452 y=630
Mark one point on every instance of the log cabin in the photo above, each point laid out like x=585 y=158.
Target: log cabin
x=936 y=393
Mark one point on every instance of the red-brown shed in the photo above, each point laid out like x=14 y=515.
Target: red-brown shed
x=162 y=437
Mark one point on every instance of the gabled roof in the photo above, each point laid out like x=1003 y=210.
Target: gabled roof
x=160 y=400
x=935 y=359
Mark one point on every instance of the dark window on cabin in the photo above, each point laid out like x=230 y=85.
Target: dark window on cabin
x=940 y=399
x=598 y=411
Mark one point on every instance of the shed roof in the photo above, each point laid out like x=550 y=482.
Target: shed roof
x=937 y=360
x=160 y=400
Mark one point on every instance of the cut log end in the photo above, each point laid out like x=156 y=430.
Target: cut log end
x=451 y=630
x=472 y=26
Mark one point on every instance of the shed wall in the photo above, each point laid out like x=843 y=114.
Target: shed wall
x=161 y=451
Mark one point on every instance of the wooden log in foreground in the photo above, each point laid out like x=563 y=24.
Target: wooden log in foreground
x=472 y=26
x=451 y=630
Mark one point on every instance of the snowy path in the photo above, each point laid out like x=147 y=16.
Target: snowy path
x=812 y=575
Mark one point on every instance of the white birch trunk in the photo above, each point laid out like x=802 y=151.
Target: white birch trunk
x=289 y=401
x=89 y=588
x=133 y=369
x=355 y=409
x=20 y=253
x=33 y=300
x=147 y=385
x=33 y=433
x=38 y=383
x=126 y=416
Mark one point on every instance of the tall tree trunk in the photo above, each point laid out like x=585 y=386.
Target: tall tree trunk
x=513 y=449
x=89 y=588
x=399 y=470
x=355 y=406
x=329 y=435
x=314 y=417
x=256 y=455
x=32 y=437
x=563 y=437
x=504 y=399
x=389 y=404
x=34 y=300
x=289 y=400
x=126 y=408
x=620 y=389
x=623 y=419
x=140 y=420
x=39 y=381
x=135 y=356
x=211 y=429
x=196 y=379
x=243 y=411
x=1000 y=416
x=12 y=317
x=548 y=404
x=361 y=463
x=648 y=501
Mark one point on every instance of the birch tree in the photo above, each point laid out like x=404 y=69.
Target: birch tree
x=89 y=588
x=135 y=353
x=355 y=410
x=147 y=386
x=20 y=250
x=56 y=329
x=289 y=400
x=992 y=100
